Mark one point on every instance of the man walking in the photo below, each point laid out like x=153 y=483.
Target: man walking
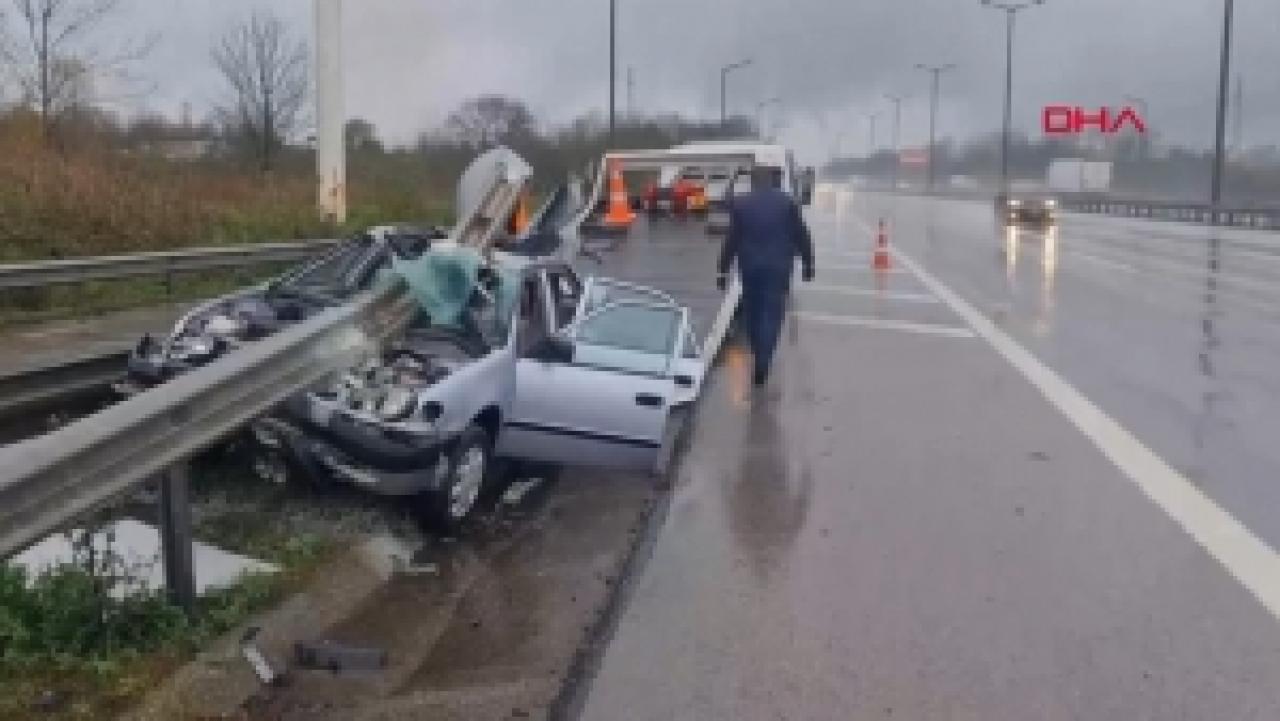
x=766 y=233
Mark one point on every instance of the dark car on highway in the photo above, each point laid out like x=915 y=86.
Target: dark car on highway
x=1026 y=209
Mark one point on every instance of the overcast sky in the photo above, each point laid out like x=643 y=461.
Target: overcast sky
x=409 y=62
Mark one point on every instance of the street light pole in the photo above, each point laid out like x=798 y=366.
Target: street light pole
x=897 y=137
x=331 y=156
x=724 y=81
x=1011 y=10
x=613 y=68
x=1220 y=139
x=936 y=71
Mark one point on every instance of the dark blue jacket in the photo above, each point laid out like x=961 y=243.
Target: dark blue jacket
x=766 y=233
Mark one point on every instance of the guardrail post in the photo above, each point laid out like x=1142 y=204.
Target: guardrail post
x=176 y=537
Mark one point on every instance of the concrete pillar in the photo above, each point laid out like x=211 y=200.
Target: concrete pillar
x=331 y=156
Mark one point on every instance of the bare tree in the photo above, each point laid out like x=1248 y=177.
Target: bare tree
x=490 y=120
x=266 y=69
x=47 y=47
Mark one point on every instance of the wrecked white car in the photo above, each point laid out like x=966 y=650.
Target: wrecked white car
x=218 y=326
x=523 y=361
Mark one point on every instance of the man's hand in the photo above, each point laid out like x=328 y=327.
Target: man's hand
x=807 y=274
x=722 y=281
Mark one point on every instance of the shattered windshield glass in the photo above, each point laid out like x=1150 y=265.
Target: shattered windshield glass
x=457 y=291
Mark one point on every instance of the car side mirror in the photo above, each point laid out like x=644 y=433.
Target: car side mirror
x=552 y=349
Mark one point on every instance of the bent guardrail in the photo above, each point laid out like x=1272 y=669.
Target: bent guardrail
x=51 y=480
x=1245 y=217
x=118 y=267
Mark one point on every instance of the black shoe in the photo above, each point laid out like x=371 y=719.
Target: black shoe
x=760 y=378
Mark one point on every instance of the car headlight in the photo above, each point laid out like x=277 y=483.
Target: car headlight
x=398 y=404
x=1015 y=203
x=1050 y=203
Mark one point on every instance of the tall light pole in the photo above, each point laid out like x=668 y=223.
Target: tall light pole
x=936 y=71
x=1220 y=139
x=1011 y=10
x=871 y=141
x=331 y=157
x=724 y=81
x=897 y=136
x=760 y=106
x=613 y=68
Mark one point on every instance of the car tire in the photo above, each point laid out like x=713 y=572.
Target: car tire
x=470 y=463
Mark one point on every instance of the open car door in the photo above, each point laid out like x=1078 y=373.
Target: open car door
x=603 y=395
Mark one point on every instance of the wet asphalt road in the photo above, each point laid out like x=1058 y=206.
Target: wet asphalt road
x=1173 y=329
x=902 y=526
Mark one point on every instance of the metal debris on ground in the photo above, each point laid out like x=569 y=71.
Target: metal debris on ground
x=261 y=666
x=517 y=491
x=335 y=657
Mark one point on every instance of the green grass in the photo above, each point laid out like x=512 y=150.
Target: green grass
x=98 y=655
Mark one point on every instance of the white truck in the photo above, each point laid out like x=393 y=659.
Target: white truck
x=1072 y=175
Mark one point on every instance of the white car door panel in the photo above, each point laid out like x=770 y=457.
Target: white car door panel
x=611 y=404
x=567 y=413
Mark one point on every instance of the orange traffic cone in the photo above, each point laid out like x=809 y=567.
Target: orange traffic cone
x=619 y=215
x=520 y=219
x=880 y=260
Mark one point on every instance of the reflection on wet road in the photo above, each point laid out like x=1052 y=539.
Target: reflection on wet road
x=1171 y=328
x=902 y=526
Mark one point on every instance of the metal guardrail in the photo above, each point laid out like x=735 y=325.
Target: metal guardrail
x=115 y=267
x=1244 y=217
x=53 y=479
x=1258 y=217
x=49 y=481
x=37 y=388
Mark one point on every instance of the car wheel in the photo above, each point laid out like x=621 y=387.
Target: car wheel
x=465 y=473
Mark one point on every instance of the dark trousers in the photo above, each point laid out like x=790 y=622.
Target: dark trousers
x=764 y=302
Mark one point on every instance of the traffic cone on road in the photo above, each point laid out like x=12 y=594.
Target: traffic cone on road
x=880 y=260
x=619 y=214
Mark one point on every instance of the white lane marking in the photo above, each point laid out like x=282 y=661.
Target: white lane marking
x=1123 y=267
x=1245 y=556
x=870 y=293
x=884 y=324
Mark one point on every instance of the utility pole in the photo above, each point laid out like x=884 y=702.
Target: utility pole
x=1237 y=120
x=897 y=137
x=1220 y=137
x=724 y=81
x=613 y=68
x=331 y=152
x=1011 y=10
x=936 y=71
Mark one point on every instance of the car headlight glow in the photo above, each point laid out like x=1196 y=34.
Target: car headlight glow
x=1051 y=203
x=1015 y=203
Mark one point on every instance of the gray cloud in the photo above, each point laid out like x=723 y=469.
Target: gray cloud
x=411 y=61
